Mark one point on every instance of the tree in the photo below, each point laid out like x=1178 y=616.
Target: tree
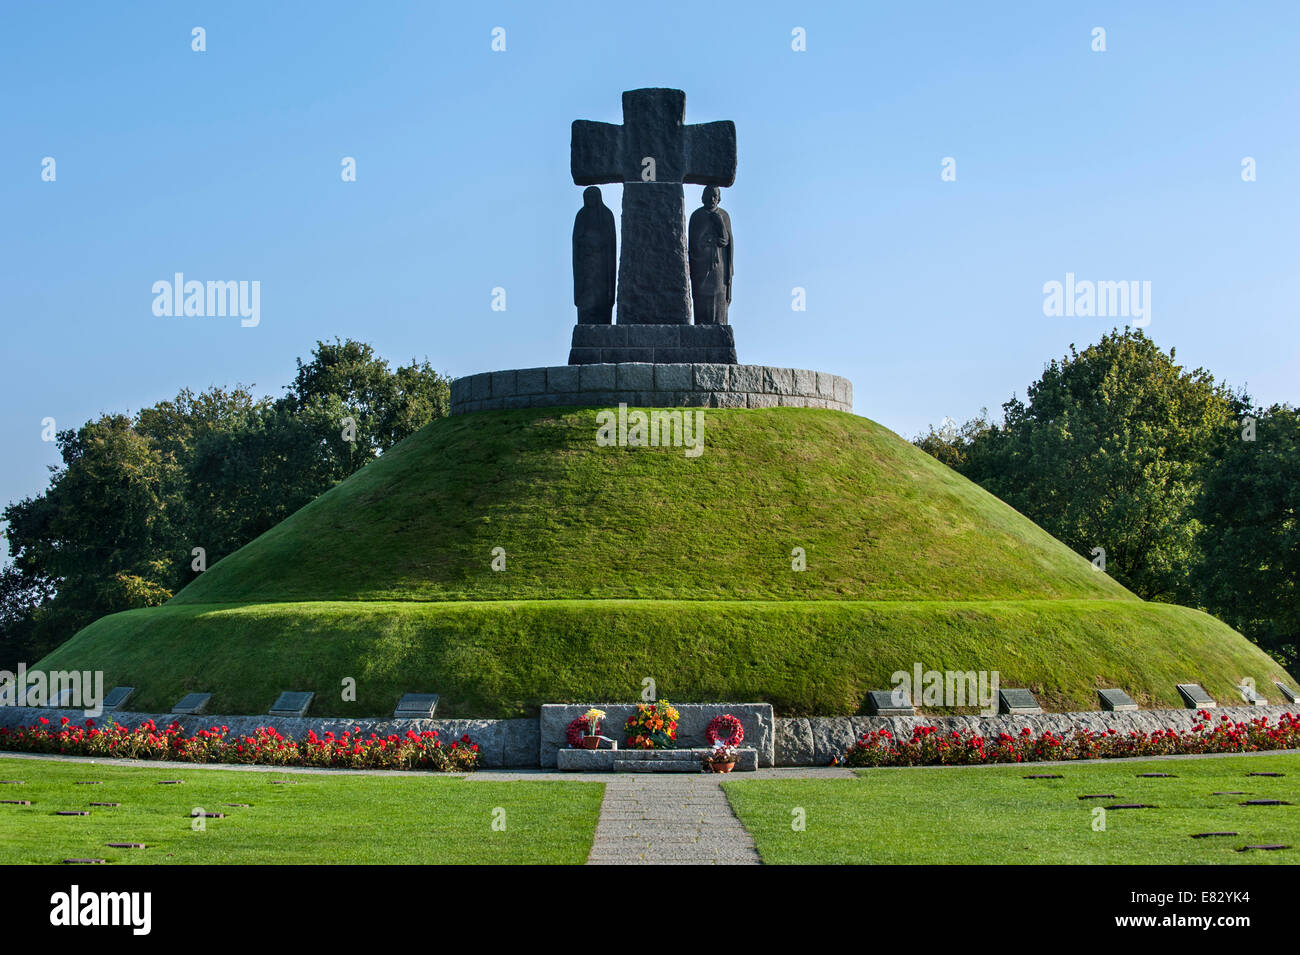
x=133 y=497
x=1249 y=534
x=1108 y=452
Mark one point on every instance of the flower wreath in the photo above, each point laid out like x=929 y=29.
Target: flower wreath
x=728 y=724
x=575 y=731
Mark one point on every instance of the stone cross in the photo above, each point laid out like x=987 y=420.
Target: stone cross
x=652 y=154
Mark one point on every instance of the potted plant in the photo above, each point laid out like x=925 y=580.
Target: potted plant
x=722 y=759
x=591 y=739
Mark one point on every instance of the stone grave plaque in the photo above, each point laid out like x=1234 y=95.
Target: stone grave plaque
x=1116 y=700
x=1018 y=703
x=416 y=706
x=117 y=698
x=192 y=704
x=1287 y=692
x=290 y=703
x=889 y=703
x=1195 y=697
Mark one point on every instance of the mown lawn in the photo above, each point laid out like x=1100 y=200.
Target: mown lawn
x=317 y=819
x=994 y=815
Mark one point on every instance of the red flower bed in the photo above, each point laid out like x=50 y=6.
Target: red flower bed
x=348 y=750
x=928 y=747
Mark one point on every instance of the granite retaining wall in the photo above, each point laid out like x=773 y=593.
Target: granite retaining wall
x=780 y=741
x=645 y=385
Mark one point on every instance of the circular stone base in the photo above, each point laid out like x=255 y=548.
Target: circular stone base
x=645 y=385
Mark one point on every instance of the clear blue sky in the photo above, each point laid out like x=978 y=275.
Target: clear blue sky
x=928 y=294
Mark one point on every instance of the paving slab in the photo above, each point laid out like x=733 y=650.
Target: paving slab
x=647 y=820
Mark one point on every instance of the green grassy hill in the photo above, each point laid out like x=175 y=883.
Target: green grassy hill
x=626 y=563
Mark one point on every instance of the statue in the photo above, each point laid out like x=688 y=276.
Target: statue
x=711 y=258
x=594 y=260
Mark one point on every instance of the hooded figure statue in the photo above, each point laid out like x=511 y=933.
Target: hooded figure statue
x=594 y=260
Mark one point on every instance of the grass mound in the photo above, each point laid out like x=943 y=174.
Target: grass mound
x=627 y=563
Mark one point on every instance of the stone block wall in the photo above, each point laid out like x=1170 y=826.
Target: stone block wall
x=647 y=385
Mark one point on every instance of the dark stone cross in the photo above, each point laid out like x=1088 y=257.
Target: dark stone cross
x=652 y=154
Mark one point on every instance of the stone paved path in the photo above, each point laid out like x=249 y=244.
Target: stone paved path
x=669 y=819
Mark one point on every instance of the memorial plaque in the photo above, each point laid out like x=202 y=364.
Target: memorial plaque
x=200 y=814
x=16 y=802
x=1132 y=805
x=1157 y=776
x=192 y=704
x=889 y=703
x=292 y=704
x=416 y=706
x=1272 y=847
x=83 y=862
x=170 y=782
x=1099 y=796
x=1266 y=774
x=117 y=698
x=1018 y=703
x=72 y=812
x=1045 y=776
x=1265 y=802
x=1195 y=697
x=1287 y=692
x=125 y=845
x=1230 y=792
x=1206 y=835
x=1116 y=701
x=111 y=805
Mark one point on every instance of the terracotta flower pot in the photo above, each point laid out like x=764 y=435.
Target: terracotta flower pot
x=722 y=767
x=591 y=742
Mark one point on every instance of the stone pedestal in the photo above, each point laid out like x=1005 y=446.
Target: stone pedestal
x=647 y=760
x=656 y=344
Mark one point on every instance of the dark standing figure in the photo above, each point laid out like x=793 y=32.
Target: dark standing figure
x=594 y=260
x=711 y=255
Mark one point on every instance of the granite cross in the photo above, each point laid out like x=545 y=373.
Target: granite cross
x=652 y=154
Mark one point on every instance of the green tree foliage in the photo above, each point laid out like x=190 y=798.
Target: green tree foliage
x=134 y=496
x=1249 y=515
x=1109 y=451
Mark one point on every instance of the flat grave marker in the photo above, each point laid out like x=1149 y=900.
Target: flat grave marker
x=1264 y=802
x=1251 y=696
x=1206 y=835
x=1099 y=796
x=192 y=704
x=16 y=802
x=1157 y=776
x=1132 y=805
x=291 y=703
x=1264 y=848
x=1286 y=691
x=1195 y=697
x=125 y=845
x=1115 y=700
x=83 y=862
x=1018 y=702
x=200 y=814
x=170 y=782
x=111 y=805
x=893 y=702
x=72 y=812
x=117 y=698
x=416 y=706
x=1266 y=774
x=1045 y=776
x=1231 y=792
